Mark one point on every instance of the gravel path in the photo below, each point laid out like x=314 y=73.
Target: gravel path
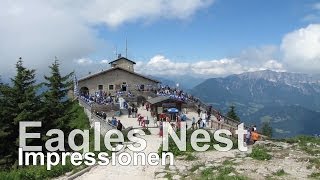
x=132 y=172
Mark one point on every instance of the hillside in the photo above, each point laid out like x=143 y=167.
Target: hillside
x=287 y=121
x=291 y=97
x=296 y=158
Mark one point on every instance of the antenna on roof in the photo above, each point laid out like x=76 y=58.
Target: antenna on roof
x=116 y=52
x=126 y=48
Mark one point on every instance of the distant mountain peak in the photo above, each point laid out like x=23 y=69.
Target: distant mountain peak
x=284 y=77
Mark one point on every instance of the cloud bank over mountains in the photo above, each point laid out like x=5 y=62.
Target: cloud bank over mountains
x=299 y=51
x=160 y=65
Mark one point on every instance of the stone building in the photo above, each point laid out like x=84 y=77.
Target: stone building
x=120 y=77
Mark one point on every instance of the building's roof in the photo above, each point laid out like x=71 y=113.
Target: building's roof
x=122 y=58
x=158 y=99
x=117 y=68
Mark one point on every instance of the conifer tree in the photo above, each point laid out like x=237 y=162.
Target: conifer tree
x=232 y=113
x=266 y=129
x=4 y=124
x=56 y=104
x=21 y=104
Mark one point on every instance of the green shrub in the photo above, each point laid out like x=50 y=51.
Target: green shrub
x=280 y=172
x=260 y=153
x=146 y=131
x=314 y=175
x=36 y=172
x=222 y=173
x=190 y=157
x=315 y=162
x=195 y=167
x=207 y=173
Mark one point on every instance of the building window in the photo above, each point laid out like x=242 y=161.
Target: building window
x=124 y=86
x=142 y=87
x=100 y=87
x=111 y=87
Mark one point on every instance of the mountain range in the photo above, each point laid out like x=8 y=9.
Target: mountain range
x=185 y=82
x=289 y=101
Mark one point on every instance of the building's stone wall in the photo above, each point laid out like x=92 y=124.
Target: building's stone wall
x=116 y=78
x=122 y=63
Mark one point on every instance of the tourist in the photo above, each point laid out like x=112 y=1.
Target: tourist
x=161 y=129
x=254 y=136
x=143 y=122
x=208 y=117
x=254 y=128
x=155 y=120
x=135 y=111
x=199 y=112
x=199 y=123
x=204 y=118
x=140 y=119
x=170 y=130
x=248 y=136
x=178 y=123
x=193 y=123
x=104 y=115
x=129 y=112
x=114 y=121
x=168 y=119
x=119 y=126
x=204 y=121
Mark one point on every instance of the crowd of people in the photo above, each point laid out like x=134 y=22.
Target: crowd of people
x=252 y=135
x=103 y=98
x=132 y=112
x=98 y=97
x=204 y=120
x=204 y=117
x=173 y=93
x=101 y=114
x=116 y=123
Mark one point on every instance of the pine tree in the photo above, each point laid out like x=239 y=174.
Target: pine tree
x=266 y=129
x=21 y=104
x=232 y=114
x=56 y=103
x=4 y=124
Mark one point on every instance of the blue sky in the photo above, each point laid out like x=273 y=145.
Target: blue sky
x=196 y=37
x=223 y=29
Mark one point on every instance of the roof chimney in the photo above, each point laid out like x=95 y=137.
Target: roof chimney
x=119 y=55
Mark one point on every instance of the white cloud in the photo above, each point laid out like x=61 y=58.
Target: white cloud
x=39 y=30
x=114 y=13
x=217 y=67
x=259 y=54
x=301 y=49
x=84 y=61
x=160 y=65
x=273 y=65
x=104 y=61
